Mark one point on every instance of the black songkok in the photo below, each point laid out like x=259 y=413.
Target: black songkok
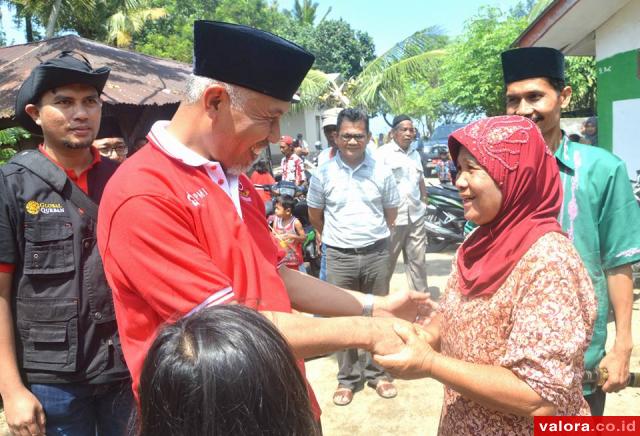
x=109 y=128
x=250 y=58
x=398 y=119
x=530 y=62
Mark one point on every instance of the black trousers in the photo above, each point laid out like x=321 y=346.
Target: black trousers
x=596 y=402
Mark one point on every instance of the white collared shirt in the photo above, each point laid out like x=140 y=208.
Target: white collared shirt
x=407 y=170
x=180 y=152
x=353 y=201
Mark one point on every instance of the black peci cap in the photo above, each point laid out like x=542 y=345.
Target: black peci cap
x=67 y=68
x=250 y=58
x=398 y=119
x=109 y=128
x=530 y=62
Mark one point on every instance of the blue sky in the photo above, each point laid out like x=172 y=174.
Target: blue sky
x=389 y=22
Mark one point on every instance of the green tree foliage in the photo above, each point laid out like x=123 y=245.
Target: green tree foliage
x=130 y=18
x=172 y=35
x=580 y=72
x=406 y=79
x=9 y=139
x=53 y=15
x=305 y=12
x=338 y=48
x=111 y=21
x=472 y=73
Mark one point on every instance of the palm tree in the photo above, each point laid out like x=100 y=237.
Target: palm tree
x=321 y=89
x=305 y=13
x=130 y=19
x=50 y=10
x=380 y=87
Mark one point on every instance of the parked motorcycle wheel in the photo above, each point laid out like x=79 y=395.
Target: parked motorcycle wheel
x=435 y=244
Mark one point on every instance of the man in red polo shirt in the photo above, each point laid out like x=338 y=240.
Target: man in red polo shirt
x=62 y=369
x=181 y=228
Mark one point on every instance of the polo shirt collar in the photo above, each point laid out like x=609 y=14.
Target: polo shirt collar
x=174 y=148
x=564 y=155
x=169 y=144
x=367 y=161
x=396 y=147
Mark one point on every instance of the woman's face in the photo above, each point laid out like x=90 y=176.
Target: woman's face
x=481 y=196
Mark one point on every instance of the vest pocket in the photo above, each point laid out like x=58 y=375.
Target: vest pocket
x=48 y=329
x=48 y=248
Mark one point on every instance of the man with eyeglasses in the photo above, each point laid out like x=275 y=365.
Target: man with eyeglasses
x=408 y=235
x=110 y=141
x=353 y=203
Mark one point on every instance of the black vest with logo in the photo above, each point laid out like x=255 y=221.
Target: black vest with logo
x=64 y=318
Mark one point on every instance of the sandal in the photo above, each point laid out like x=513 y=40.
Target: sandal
x=342 y=396
x=386 y=389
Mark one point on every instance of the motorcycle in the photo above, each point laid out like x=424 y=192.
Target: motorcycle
x=444 y=219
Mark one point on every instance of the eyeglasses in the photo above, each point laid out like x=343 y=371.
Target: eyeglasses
x=358 y=138
x=108 y=149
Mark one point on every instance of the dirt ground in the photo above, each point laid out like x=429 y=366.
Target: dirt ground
x=416 y=409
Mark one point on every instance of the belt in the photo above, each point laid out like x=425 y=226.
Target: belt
x=380 y=243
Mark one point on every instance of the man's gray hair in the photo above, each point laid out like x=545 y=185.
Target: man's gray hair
x=197 y=85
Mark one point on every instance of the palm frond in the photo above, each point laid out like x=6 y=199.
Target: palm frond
x=386 y=84
x=314 y=88
x=123 y=24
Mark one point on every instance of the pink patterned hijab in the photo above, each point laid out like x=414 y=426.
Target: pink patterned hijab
x=512 y=150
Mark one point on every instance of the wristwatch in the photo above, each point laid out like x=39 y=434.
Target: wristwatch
x=367 y=307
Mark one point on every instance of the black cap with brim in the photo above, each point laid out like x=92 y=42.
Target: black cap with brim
x=530 y=62
x=54 y=73
x=250 y=58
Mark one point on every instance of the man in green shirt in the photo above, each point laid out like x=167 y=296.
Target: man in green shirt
x=599 y=213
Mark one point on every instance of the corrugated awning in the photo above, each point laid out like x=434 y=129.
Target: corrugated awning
x=135 y=78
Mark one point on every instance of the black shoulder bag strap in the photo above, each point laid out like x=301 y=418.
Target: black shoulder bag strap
x=42 y=167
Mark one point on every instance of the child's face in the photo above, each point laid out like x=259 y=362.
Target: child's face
x=281 y=211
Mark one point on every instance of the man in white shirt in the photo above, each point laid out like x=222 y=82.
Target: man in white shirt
x=409 y=235
x=352 y=202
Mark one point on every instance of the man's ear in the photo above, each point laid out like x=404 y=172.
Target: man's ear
x=212 y=99
x=34 y=112
x=565 y=97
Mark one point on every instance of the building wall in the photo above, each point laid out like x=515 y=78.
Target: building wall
x=620 y=32
x=306 y=122
x=618 y=78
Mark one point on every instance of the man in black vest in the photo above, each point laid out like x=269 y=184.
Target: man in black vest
x=61 y=370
